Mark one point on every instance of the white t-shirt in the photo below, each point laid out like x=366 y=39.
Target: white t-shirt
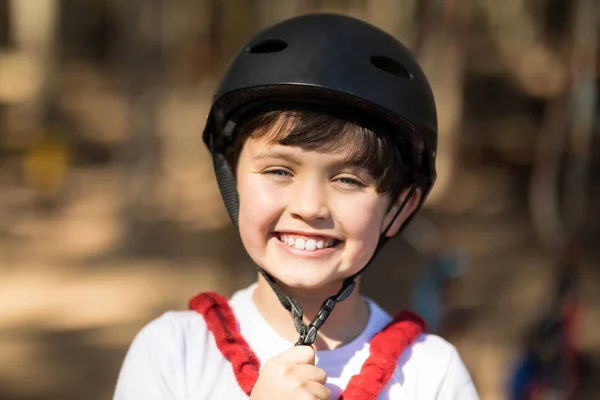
x=175 y=357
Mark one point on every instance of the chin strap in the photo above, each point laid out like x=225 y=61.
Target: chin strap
x=308 y=333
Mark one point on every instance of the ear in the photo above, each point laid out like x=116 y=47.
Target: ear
x=409 y=209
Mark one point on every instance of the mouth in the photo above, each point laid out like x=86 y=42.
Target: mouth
x=307 y=242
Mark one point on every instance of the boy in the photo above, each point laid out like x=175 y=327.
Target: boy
x=323 y=134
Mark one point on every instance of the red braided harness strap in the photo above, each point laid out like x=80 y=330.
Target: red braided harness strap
x=223 y=325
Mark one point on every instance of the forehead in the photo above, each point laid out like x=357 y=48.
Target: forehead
x=265 y=149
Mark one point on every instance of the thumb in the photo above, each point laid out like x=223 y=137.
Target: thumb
x=299 y=355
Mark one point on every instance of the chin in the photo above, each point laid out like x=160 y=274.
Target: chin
x=308 y=281
x=304 y=281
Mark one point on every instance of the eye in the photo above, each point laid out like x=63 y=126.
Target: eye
x=279 y=172
x=350 y=182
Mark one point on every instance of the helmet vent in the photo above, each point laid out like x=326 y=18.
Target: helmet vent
x=390 y=66
x=267 y=46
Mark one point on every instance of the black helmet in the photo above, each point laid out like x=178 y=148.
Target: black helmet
x=329 y=59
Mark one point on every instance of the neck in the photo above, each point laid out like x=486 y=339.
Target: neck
x=345 y=323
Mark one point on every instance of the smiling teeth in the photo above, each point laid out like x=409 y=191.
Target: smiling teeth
x=306 y=244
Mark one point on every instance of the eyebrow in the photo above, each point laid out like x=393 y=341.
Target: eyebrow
x=277 y=155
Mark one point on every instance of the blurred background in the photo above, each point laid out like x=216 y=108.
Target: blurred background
x=110 y=214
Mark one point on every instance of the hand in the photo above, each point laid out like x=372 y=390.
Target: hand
x=291 y=375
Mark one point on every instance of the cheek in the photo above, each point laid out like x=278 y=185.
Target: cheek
x=362 y=217
x=361 y=221
x=259 y=208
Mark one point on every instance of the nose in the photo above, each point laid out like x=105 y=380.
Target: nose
x=309 y=202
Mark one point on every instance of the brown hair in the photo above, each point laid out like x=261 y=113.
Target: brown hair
x=387 y=157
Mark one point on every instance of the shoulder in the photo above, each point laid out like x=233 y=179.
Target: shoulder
x=159 y=358
x=430 y=368
x=179 y=338
x=172 y=328
x=429 y=353
x=434 y=362
x=166 y=342
x=431 y=349
x=174 y=324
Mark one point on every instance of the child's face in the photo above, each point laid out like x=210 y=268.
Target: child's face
x=306 y=217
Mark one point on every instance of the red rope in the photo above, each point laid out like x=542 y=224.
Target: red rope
x=223 y=325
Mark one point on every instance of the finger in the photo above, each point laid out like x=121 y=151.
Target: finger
x=311 y=373
x=319 y=391
x=299 y=355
